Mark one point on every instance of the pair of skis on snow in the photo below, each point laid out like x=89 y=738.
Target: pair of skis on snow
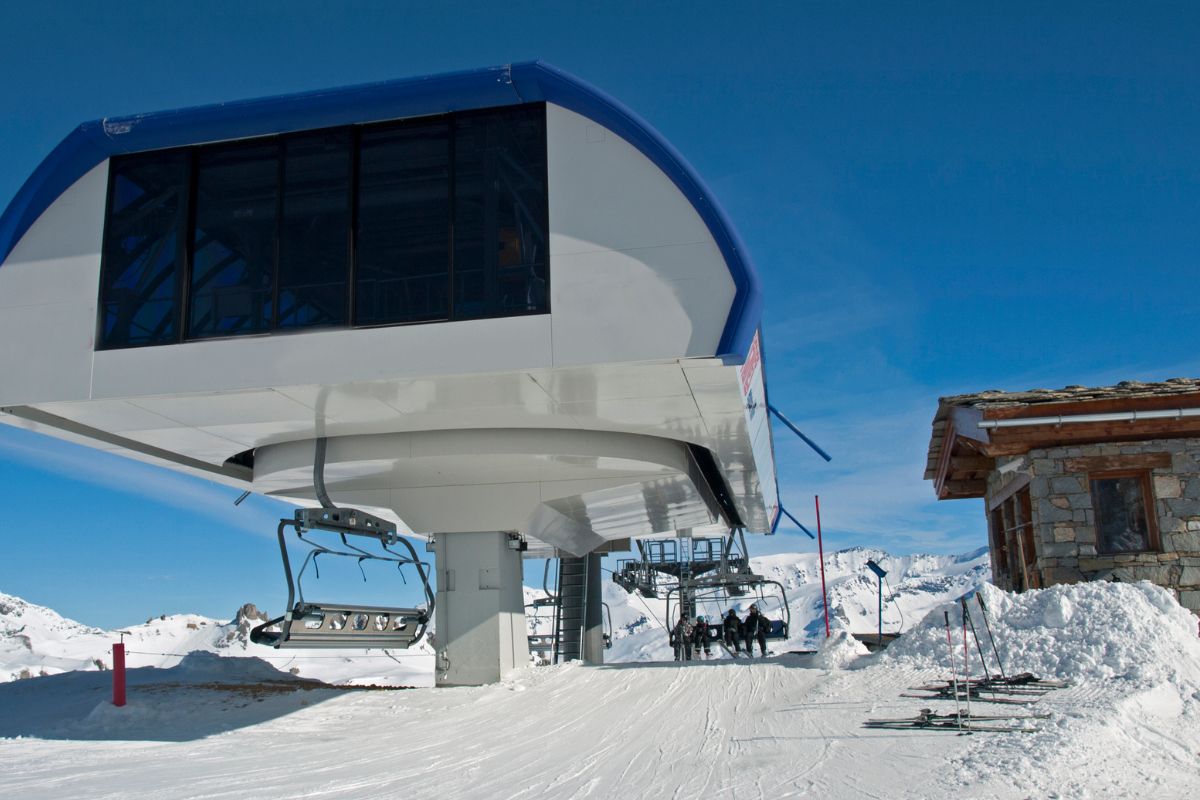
x=1025 y=688
x=1022 y=689
x=957 y=721
x=979 y=694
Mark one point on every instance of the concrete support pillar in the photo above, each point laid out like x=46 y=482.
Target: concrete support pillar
x=480 y=618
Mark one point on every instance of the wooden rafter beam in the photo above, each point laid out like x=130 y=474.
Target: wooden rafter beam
x=956 y=490
x=1016 y=441
x=971 y=463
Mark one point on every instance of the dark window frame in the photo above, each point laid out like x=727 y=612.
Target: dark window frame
x=351 y=134
x=1013 y=541
x=182 y=255
x=277 y=143
x=182 y=297
x=1153 y=540
x=389 y=127
x=545 y=222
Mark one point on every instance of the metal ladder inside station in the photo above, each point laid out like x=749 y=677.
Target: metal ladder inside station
x=571 y=591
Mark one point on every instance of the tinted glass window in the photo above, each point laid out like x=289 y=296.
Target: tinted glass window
x=1121 y=524
x=500 y=213
x=143 y=250
x=233 y=248
x=402 y=249
x=435 y=219
x=314 y=240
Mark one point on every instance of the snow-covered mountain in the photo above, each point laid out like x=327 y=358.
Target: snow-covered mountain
x=915 y=585
x=37 y=641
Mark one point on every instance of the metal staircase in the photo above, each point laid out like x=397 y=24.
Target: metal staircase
x=569 y=620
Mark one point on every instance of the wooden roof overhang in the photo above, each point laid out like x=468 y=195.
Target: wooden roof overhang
x=961 y=467
x=962 y=454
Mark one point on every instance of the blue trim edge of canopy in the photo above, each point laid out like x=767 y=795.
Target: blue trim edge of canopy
x=93 y=142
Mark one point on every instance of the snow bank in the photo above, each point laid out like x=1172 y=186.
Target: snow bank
x=838 y=651
x=1129 y=631
x=204 y=667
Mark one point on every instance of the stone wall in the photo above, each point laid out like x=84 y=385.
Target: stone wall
x=1064 y=523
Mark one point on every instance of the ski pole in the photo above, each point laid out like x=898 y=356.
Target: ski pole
x=967 y=666
x=953 y=673
x=966 y=651
x=975 y=635
x=983 y=610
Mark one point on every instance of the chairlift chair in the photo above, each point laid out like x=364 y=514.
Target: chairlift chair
x=344 y=625
x=718 y=595
x=700 y=573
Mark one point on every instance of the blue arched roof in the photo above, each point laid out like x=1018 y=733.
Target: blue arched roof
x=93 y=142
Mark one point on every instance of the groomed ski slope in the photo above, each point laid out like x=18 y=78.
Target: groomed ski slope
x=783 y=727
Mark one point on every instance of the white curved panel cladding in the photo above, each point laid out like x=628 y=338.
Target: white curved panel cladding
x=635 y=276
x=570 y=488
x=635 y=273
x=48 y=297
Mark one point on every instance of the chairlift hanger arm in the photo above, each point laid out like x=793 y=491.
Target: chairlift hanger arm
x=287 y=564
x=319 y=475
x=419 y=566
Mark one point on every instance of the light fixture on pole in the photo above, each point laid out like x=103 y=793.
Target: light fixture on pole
x=880 y=572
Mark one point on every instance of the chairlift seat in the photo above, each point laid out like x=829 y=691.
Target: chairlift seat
x=340 y=625
x=778 y=629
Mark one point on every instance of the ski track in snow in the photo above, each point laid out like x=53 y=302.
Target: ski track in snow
x=724 y=728
x=774 y=728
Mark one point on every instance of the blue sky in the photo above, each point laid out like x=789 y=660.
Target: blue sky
x=939 y=199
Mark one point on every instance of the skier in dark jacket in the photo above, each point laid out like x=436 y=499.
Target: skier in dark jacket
x=681 y=638
x=733 y=631
x=756 y=627
x=700 y=637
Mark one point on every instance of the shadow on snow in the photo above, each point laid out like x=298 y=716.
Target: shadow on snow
x=203 y=695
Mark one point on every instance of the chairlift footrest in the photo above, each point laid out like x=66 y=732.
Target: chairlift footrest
x=345 y=626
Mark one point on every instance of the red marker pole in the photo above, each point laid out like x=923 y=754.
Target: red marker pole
x=119 y=673
x=821 y=551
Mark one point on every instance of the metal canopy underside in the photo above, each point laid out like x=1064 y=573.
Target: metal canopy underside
x=569 y=442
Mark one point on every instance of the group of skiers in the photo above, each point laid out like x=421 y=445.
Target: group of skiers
x=693 y=636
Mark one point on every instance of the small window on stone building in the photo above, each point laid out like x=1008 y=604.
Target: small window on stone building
x=1123 y=503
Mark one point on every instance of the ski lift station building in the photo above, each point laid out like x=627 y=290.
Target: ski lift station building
x=509 y=309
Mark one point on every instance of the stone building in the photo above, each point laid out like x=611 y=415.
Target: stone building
x=1080 y=483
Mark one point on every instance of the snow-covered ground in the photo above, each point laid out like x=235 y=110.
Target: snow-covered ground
x=787 y=726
